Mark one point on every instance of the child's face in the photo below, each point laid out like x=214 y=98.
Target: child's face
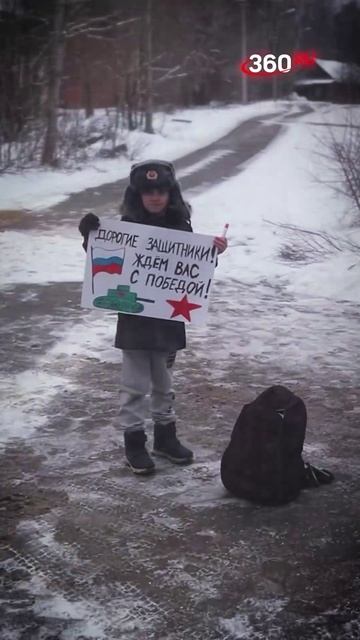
x=155 y=200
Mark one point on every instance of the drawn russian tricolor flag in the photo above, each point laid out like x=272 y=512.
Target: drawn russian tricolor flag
x=106 y=261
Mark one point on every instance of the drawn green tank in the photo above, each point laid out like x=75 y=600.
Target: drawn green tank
x=119 y=299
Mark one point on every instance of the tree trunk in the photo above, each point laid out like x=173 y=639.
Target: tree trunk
x=56 y=61
x=275 y=88
x=149 y=79
x=88 y=96
x=244 y=78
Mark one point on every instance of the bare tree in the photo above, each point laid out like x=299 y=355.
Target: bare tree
x=60 y=53
x=308 y=245
x=56 y=61
x=346 y=154
x=339 y=150
x=149 y=104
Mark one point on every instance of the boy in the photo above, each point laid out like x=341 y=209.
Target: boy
x=149 y=345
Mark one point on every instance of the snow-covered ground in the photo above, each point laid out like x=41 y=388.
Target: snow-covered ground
x=198 y=127
x=266 y=310
x=283 y=185
x=277 y=187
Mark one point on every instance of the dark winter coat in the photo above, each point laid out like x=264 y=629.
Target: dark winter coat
x=141 y=332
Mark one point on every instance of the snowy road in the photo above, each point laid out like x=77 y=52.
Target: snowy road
x=99 y=554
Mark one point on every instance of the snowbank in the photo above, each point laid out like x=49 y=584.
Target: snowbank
x=37 y=189
x=284 y=185
x=280 y=186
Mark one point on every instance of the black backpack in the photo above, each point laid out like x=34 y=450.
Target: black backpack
x=263 y=461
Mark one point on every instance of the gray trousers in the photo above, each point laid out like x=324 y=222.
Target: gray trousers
x=145 y=372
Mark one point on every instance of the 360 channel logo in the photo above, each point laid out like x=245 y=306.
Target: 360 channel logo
x=268 y=64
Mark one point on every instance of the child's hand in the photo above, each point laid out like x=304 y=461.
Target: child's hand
x=220 y=243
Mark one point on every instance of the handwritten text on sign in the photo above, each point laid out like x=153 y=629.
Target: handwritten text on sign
x=149 y=271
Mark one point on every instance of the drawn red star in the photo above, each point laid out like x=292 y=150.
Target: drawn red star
x=183 y=307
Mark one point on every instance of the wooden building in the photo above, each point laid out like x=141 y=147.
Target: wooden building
x=330 y=81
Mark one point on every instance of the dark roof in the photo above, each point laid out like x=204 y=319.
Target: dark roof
x=340 y=71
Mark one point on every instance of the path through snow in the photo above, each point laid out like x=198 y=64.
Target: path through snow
x=101 y=554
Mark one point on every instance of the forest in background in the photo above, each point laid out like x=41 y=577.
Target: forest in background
x=131 y=57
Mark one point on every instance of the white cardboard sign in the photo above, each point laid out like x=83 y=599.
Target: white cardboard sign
x=149 y=271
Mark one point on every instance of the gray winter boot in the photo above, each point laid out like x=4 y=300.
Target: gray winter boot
x=167 y=445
